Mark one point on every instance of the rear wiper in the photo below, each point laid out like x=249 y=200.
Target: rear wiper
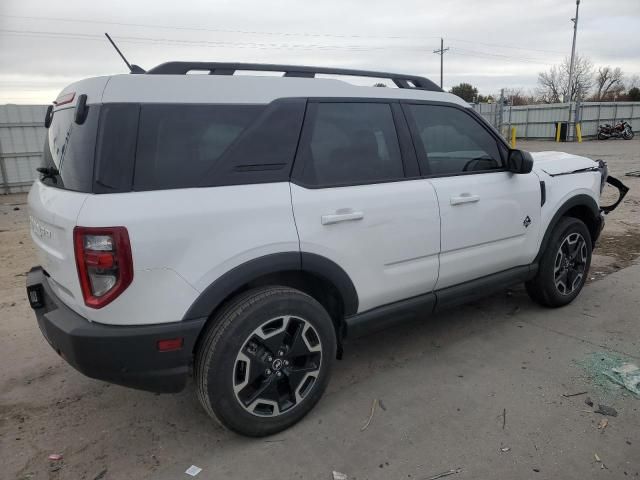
x=48 y=172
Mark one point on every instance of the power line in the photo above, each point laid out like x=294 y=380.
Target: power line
x=271 y=33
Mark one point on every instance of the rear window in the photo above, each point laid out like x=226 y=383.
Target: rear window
x=70 y=148
x=179 y=145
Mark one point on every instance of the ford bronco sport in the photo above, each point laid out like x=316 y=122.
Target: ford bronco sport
x=240 y=228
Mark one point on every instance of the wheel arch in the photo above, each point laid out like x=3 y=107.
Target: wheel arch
x=582 y=207
x=312 y=274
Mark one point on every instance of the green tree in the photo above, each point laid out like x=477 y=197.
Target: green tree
x=634 y=94
x=465 y=91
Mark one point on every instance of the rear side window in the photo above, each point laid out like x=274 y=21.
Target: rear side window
x=350 y=143
x=178 y=145
x=453 y=141
x=70 y=149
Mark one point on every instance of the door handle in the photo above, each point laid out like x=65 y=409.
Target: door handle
x=346 y=215
x=465 y=198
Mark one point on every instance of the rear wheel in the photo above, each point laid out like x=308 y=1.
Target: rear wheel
x=564 y=265
x=602 y=136
x=628 y=134
x=265 y=361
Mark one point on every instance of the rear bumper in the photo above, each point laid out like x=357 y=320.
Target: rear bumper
x=125 y=355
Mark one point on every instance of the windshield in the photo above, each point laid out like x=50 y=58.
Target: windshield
x=70 y=149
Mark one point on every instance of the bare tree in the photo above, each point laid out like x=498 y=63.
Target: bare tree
x=553 y=85
x=609 y=83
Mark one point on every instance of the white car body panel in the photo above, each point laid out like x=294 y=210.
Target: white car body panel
x=247 y=89
x=391 y=253
x=487 y=235
x=53 y=214
x=187 y=238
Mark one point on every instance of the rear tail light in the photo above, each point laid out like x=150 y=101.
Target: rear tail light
x=105 y=266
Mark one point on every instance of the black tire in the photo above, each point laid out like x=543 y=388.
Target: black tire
x=258 y=332
x=602 y=136
x=562 y=273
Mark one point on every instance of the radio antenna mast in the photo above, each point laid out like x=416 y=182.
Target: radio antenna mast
x=132 y=68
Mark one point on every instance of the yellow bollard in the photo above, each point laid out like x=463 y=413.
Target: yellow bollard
x=579 y=132
x=513 y=137
x=558 y=133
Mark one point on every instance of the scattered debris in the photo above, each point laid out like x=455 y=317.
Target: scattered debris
x=603 y=424
x=598 y=368
x=633 y=173
x=445 y=474
x=588 y=401
x=55 y=462
x=373 y=410
x=504 y=417
x=16 y=208
x=626 y=375
x=193 y=470
x=339 y=476
x=382 y=405
x=599 y=460
x=567 y=395
x=100 y=475
x=505 y=449
x=537 y=470
x=606 y=410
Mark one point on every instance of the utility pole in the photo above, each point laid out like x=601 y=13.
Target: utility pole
x=441 y=53
x=573 y=54
x=573 y=48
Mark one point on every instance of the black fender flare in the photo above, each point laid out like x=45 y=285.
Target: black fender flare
x=581 y=200
x=221 y=288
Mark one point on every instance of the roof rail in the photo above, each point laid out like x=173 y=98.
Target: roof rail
x=219 y=68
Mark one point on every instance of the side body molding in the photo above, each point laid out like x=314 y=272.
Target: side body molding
x=213 y=296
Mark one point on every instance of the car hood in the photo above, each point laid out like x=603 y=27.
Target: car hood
x=557 y=163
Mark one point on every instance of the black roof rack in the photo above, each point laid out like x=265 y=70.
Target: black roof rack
x=218 y=68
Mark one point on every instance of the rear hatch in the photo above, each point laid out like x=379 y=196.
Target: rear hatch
x=55 y=200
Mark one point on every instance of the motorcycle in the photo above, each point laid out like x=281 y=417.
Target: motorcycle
x=620 y=130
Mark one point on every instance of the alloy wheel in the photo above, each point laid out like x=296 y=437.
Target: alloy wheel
x=277 y=366
x=570 y=263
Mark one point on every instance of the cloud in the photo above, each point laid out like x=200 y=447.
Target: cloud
x=503 y=43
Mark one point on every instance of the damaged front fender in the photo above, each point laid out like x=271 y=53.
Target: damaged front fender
x=614 y=182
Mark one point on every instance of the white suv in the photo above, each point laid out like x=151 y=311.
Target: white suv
x=242 y=227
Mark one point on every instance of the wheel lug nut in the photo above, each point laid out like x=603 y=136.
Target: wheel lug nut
x=280 y=353
x=269 y=358
x=267 y=371
x=286 y=363
x=279 y=374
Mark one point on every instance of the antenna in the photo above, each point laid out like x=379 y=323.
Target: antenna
x=132 y=68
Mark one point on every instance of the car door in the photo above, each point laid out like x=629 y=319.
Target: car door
x=358 y=200
x=490 y=217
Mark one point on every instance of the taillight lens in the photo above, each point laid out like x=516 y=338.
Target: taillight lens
x=105 y=266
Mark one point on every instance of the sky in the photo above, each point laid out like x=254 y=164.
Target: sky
x=493 y=44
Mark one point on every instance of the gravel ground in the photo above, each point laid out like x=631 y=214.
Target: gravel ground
x=479 y=388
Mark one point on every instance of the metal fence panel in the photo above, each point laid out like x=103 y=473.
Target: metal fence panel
x=21 y=140
x=539 y=121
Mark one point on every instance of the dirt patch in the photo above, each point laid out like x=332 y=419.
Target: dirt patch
x=621 y=248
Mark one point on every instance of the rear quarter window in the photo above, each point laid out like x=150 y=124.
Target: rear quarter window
x=179 y=145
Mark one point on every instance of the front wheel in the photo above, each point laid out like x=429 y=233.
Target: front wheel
x=628 y=134
x=602 y=136
x=265 y=360
x=564 y=264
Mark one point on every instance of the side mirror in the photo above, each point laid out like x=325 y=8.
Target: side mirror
x=519 y=161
